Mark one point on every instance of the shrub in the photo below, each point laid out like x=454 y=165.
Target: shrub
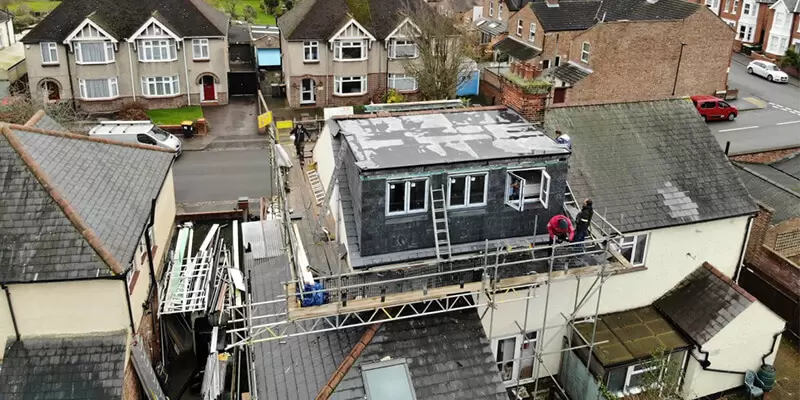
x=394 y=97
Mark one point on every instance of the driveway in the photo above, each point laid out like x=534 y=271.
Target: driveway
x=239 y=117
x=208 y=177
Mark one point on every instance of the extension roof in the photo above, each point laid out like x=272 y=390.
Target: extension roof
x=452 y=136
x=122 y=18
x=517 y=49
x=573 y=15
x=704 y=303
x=516 y=5
x=72 y=206
x=653 y=164
x=321 y=19
x=71 y=368
x=765 y=185
x=570 y=72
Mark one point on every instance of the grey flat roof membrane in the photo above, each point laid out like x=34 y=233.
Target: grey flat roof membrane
x=429 y=139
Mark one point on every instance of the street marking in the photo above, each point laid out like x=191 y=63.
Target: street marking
x=755 y=101
x=738 y=129
x=784 y=108
x=787 y=123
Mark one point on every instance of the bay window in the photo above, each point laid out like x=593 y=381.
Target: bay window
x=349 y=50
x=200 y=49
x=91 y=52
x=159 y=50
x=467 y=190
x=349 y=85
x=311 y=51
x=49 y=52
x=402 y=48
x=402 y=82
x=161 y=86
x=407 y=196
x=98 y=89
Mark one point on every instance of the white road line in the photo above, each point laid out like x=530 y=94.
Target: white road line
x=738 y=129
x=787 y=123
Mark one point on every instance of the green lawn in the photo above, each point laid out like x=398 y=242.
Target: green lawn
x=261 y=19
x=174 y=116
x=36 y=6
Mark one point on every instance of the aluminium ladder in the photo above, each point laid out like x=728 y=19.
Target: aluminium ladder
x=441 y=228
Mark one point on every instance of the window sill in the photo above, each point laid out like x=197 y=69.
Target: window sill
x=100 y=99
x=95 y=63
x=406 y=218
x=403 y=58
x=55 y=64
x=350 y=60
x=406 y=91
x=349 y=94
x=307 y=103
x=196 y=60
x=167 y=96
x=310 y=61
x=157 y=61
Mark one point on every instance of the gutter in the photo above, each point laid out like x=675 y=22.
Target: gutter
x=11 y=309
x=743 y=250
x=186 y=70
x=133 y=81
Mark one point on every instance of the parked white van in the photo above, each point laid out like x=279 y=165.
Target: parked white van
x=144 y=132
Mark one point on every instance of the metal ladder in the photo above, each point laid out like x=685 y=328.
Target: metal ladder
x=329 y=191
x=441 y=228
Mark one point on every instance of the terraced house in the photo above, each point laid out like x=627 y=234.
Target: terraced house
x=347 y=52
x=104 y=54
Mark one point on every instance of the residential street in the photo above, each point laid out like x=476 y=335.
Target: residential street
x=776 y=125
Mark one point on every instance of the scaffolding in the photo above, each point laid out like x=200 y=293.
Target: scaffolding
x=501 y=273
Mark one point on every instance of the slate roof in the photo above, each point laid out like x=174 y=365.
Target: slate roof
x=784 y=201
x=570 y=73
x=516 y=49
x=463 y=135
x=653 y=164
x=792 y=5
x=516 y=5
x=87 y=367
x=573 y=15
x=789 y=166
x=122 y=18
x=321 y=19
x=72 y=206
x=703 y=303
x=491 y=26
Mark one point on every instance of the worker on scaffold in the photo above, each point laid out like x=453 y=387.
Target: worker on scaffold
x=560 y=230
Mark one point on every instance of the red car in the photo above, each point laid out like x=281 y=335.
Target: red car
x=711 y=107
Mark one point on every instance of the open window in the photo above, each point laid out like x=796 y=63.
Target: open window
x=527 y=186
x=634 y=249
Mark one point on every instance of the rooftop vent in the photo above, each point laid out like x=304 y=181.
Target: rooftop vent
x=654 y=2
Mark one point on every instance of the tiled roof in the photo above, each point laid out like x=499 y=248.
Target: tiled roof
x=582 y=14
x=703 y=303
x=321 y=19
x=784 y=201
x=124 y=17
x=72 y=206
x=789 y=166
x=516 y=49
x=87 y=367
x=491 y=26
x=570 y=73
x=516 y=5
x=650 y=164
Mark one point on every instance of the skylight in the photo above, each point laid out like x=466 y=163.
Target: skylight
x=388 y=380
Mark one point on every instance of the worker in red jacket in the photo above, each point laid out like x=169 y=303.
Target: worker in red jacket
x=560 y=229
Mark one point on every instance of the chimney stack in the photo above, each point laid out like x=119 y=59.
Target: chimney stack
x=552 y=3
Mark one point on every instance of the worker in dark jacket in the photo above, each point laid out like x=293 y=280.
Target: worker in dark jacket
x=299 y=133
x=583 y=221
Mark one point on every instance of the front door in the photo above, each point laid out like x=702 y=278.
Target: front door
x=209 y=90
x=307 y=92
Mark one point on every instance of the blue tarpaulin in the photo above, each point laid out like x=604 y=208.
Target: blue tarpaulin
x=269 y=57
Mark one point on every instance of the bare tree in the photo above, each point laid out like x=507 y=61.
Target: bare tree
x=19 y=107
x=443 y=45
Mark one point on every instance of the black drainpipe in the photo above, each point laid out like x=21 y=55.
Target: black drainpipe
x=707 y=364
x=71 y=82
x=128 y=300
x=149 y=244
x=11 y=309
x=772 y=349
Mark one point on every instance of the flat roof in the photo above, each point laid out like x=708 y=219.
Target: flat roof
x=409 y=140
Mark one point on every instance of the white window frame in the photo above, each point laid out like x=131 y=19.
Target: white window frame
x=198 y=45
x=171 y=82
x=499 y=10
x=396 y=77
x=586 y=53
x=544 y=189
x=519 y=342
x=557 y=61
x=519 y=27
x=735 y=6
x=113 y=88
x=406 y=42
x=308 y=46
x=631 y=242
x=727 y=6
x=747 y=37
x=491 y=8
x=747 y=8
x=467 y=187
x=51 y=48
x=108 y=47
x=155 y=44
x=783 y=19
x=406 y=196
x=631 y=371
x=532 y=33
x=339 y=80
x=338 y=45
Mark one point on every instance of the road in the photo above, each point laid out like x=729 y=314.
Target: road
x=775 y=126
x=221 y=176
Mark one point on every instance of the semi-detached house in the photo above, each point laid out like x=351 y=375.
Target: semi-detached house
x=338 y=52
x=104 y=54
x=773 y=24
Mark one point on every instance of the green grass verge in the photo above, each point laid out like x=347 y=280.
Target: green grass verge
x=36 y=6
x=262 y=18
x=174 y=116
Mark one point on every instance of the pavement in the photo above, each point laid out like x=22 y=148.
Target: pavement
x=769 y=117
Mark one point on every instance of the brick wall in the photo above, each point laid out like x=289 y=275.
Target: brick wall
x=376 y=92
x=758 y=232
x=130 y=384
x=106 y=106
x=530 y=106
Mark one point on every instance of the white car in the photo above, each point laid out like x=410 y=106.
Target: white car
x=767 y=70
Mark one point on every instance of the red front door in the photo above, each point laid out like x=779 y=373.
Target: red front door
x=209 y=92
